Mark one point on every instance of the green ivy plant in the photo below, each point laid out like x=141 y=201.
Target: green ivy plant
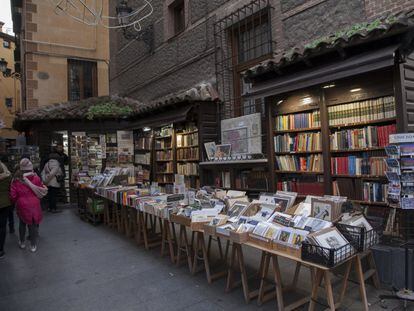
x=354 y=29
x=108 y=109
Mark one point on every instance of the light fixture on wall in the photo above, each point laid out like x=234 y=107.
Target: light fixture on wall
x=7 y=72
x=328 y=86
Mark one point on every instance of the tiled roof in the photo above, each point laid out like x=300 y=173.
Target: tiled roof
x=127 y=107
x=357 y=34
x=80 y=109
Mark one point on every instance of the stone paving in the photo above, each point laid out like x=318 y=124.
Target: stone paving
x=82 y=267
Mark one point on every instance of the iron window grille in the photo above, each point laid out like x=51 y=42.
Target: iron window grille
x=242 y=39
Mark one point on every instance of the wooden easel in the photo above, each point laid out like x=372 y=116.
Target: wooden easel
x=184 y=246
x=147 y=231
x=200 y=246
x=279 y=288
x=167 y=238
x=325 y=275
x=237 y=260
x=362 y=276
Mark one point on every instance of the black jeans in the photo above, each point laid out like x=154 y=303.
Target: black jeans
x=33 y=232
x=52 y=194
x=11 y=218
x=4 y=214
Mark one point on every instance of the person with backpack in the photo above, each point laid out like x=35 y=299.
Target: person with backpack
x=5 y=204
x=52 y=177
x=26 y=190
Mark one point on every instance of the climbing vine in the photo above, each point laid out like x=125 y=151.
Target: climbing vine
x=108 y=109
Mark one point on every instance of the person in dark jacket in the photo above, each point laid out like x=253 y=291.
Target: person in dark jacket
x=5 y=204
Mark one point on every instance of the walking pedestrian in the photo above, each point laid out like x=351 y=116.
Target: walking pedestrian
x=51 y=176
x=5 y=204
x=26 y=191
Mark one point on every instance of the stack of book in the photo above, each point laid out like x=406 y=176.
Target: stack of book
x=143 y=143
x=298 y=121
x=300 y=142
x=367 y=137
x=301 y=187
x=352 y=165
x=162 y=144
x=187 y=140
x=359 y=190
x=167 y=167
x=362 y=111
x=187 y=169
x=187 y=154
x=143 y=158
x=164 y=155
x=312 y=163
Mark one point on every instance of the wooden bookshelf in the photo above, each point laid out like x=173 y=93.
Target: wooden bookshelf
x=358 y=150
x=361 y=124
x=298 y=130
x=297 y=152
x=367 y=100
x=298 y=172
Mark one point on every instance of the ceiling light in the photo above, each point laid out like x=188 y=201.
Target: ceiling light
x=328 y=86
x=306 y=100
x=146 y=129
x=355 y=90
x=279 y=102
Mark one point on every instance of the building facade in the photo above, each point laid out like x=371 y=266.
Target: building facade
x=193 y=41
x=61 y=59
x=9 y=87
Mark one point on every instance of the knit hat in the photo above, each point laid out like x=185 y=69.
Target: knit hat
x=26 y=165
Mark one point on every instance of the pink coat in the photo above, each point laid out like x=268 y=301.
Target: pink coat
x=27 y=203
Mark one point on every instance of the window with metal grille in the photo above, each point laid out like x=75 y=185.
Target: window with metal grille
x=242 y=40
x=82 y=79
x=179 y=17
x=6 y=44
x=9 y=102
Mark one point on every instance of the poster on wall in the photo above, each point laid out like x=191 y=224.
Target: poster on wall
x=243 y=133
x=125 y=141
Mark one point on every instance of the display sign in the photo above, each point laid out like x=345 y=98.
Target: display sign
x=401 y=138
x=243 y=133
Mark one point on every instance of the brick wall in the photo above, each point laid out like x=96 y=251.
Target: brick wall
x=184 y=60
x=375 y=8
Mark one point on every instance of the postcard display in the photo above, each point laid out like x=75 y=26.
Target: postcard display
x=400 y=175
x=90 y=153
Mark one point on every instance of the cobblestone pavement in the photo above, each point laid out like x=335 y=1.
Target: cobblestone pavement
x=82 y=267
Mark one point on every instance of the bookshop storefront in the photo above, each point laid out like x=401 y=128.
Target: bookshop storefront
x=156 y=140
x=330 y=112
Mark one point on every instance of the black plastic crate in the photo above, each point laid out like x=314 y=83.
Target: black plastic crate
x=361 y=238
x=327 y=257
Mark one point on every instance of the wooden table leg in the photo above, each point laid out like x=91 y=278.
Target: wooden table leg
x=329 y=290
x=278 y=283
x=373 y=267
x=361 y=279
x=230 y=273
x=170 y=239
x=184 y=239
x=264 y=272
x=315 y=288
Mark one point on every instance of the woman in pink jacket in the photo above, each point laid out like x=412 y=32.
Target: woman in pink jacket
x=25 y=191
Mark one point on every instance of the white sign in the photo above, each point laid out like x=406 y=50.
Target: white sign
x=402 y=138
